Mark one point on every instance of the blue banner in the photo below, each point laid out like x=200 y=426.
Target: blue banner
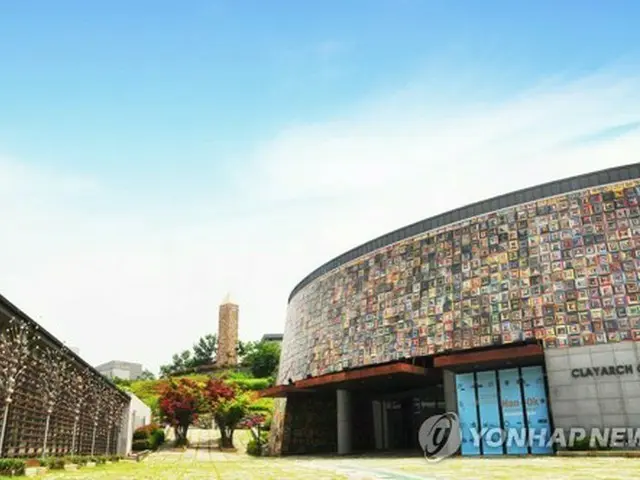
x=489 y=413
x=513 y=412
x=537 y=412
x=467 y=413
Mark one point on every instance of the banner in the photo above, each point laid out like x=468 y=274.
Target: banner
x=536 y=408
x=512 y=408
x=467 y=413
x=489 y=411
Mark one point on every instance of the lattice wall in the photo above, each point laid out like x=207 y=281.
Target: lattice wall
x=25 y=428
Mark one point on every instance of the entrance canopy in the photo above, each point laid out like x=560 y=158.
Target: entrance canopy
x=394 y=376
x=516 y=355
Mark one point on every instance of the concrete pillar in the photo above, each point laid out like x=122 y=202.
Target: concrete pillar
x=450 y=395
x=344 y=421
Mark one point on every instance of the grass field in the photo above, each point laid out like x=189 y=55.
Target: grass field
x=194 y=464
x=204 y=465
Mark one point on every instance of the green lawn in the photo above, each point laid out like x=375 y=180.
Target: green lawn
x=204 y=463
x=215 y=465
x=175 y=466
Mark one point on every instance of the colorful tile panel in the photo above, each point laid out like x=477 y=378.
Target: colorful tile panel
x=562 y=269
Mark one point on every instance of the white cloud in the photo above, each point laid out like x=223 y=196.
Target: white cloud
x=141 y=285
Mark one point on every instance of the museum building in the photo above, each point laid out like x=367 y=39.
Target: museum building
x=518 y=311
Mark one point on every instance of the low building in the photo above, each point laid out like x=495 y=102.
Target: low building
x=121 y=370
x=272 y=337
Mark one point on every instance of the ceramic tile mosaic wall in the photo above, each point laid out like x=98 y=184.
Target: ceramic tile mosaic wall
x=563 y=269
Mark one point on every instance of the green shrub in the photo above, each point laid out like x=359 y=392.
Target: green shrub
x=12 y=467
x=156 y=439
x=261 y=405
x=115 y=458
x=144 y=432
x=53 y=463
x=140 y=435
x=253 y=448
x=250 y=383
x=140 y=445
x=267 y=423
x=77 y=460
x=237 y=375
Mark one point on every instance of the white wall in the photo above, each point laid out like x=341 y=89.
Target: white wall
x=594 y=401
x=137 y=415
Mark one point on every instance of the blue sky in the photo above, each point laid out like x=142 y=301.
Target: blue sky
x=158 y=141
x=160 y=89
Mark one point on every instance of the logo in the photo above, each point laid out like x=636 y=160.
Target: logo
x=439 y=436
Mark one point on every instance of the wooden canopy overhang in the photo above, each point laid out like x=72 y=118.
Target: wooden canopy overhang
x=388 y=374
x=394 y=375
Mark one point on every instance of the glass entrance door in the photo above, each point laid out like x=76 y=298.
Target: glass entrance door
x=402 y=414
x=513 y=400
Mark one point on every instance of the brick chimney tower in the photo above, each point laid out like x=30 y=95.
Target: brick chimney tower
x=227 y=355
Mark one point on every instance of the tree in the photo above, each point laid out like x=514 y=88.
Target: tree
x=147 y=375
x=263 y=359
x=205 y=349
x=180 y=363
x=81 y=392
x=18 y=350
x=179 y=404
x=53 y=384
x=202 y=353
x=100 y=392
x=243 y=349
x=119 y=382
x=228 y=407
x=113 y=410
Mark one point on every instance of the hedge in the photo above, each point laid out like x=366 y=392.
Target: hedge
x=148 y=437
x=12 y=467
x=140 y=445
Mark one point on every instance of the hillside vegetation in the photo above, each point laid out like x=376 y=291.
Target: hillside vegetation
x=149 y=391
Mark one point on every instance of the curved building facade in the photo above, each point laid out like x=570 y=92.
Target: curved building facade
x=525 y=280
